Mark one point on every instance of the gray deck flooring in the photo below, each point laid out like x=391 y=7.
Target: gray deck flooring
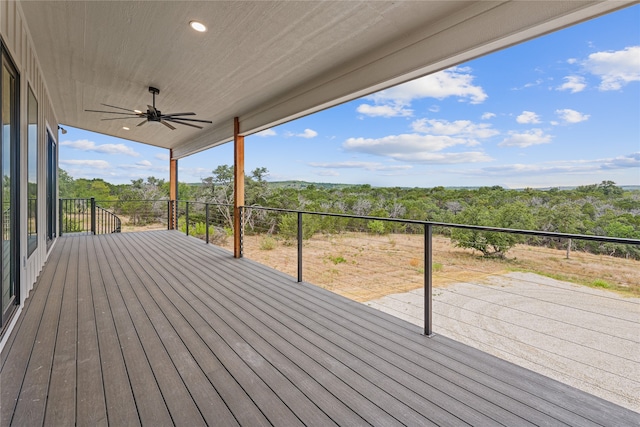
x=157 y=328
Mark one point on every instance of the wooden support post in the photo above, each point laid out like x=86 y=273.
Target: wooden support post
x=173 y=191
x=238 y=187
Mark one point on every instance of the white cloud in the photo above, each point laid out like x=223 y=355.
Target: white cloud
x=388 y=110
x=416 y=148
x=328 y=173
x=572 y=116
x=622 y=162
x=162 y=156
x=86 y=145
x=308 y=133
x=487 y=116
x=561 y=167
x=573 y=83
x=459 y=128
x=95 y=164
x=396 y=101
x=145 y=165
x=370 y=166
x=528 y=117
x=526 y=139
x=456 y=81
x=267 y=132
x=615 y=69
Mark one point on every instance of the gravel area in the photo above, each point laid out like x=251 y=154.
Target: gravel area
x=587 y=338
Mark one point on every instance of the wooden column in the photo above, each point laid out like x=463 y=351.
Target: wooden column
x=238 y=187
x=173 y=190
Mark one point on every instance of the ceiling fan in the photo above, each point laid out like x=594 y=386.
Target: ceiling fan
x=153 y=115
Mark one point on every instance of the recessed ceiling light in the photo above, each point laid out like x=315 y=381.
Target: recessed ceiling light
x=198 y=26
x=125 y=128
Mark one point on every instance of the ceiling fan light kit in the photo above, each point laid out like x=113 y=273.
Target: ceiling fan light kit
x=153 y=114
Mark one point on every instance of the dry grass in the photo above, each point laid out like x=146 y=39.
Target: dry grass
x=363 y=267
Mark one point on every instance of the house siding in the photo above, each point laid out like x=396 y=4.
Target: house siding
x=19 y=45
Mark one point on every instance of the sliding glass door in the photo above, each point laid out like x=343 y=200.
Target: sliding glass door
x=9 y=155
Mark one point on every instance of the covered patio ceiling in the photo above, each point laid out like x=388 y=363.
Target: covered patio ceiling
x=266 y=62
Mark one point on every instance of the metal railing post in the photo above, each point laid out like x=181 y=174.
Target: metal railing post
x=428 y=279
x=61 y=215
x=186 y=217
x=168 y=214
x=93 y=216
x=206 y=222
x=299 y=247
x=241 y=215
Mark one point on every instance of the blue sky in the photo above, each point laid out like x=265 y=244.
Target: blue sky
x=560 y=110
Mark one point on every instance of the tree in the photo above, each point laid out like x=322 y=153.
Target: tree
x=492 y=244
x=65 y=184
x=219 y=189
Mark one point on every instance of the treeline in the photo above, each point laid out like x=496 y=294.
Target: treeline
x=603 y=209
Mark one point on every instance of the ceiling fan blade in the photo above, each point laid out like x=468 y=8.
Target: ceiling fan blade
x=167 y=125
x=143 y=123
x=152 y=109
x=113 y=112
x=121 y=118
x=119 y=108
x=182 y=123
x=189 y=120
x=179 y=114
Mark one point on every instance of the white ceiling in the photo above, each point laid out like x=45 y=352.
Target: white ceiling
x=266 y=62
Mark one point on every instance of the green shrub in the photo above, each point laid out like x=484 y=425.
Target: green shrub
x=288 y=226
x=337 y=259
x=599 y=283
x=267 y=243
x=377 y=227
x=72 y=226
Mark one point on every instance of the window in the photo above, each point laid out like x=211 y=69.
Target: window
x=9 y=156
x=32 y=173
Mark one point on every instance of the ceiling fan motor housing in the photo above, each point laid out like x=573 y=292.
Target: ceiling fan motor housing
x=154 y=115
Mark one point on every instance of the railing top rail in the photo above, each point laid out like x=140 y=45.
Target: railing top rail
x=205 y=203
x=131 y=200
x=604 y=239
x=115 y=200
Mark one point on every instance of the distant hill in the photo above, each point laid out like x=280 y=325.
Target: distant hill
x=305 y=184
x=329 y=185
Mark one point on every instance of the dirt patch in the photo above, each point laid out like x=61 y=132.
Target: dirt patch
x=365 y=267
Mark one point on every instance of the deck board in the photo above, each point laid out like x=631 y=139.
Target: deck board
x=61 y=405
x=120 y=404
x=91 y=406
x=32 y=399
x=157 y=328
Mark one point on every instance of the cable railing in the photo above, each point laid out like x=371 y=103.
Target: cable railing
x=6 y=224
x=572 y=316
x=568 y=310
x=265 y=228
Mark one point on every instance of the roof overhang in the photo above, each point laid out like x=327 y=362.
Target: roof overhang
x=266 y=62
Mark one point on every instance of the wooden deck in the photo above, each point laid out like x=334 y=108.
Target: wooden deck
x=157 y=328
